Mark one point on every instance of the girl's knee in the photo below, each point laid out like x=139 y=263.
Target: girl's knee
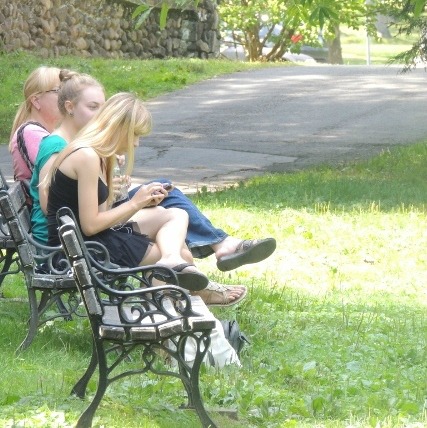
x=178 y=213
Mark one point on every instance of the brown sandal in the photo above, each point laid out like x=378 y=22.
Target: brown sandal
x=216 y=294
x=248 y=251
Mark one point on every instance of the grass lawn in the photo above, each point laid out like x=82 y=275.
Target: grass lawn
x=336 y=317
x=357 y=48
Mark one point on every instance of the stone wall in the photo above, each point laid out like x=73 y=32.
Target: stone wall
x=105 y=28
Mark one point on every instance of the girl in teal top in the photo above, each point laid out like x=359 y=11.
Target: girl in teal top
x=49 y=146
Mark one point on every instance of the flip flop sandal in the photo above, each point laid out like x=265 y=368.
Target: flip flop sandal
x=248 y=251
x=220 y=293
x=191 y=280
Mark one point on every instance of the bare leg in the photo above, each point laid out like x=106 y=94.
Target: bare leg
x=168 y=229
x=154 y=255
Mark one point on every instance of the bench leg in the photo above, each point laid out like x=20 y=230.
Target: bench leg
x=190 y=377
x=79 y=389
x=7 y=260
x=85 y=420
x=62 y=308
x=32 y=322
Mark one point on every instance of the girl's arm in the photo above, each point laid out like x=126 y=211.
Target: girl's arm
x=84 y=165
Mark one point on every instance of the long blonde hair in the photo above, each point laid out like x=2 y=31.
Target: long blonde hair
x=122 y=118
x=40 y=80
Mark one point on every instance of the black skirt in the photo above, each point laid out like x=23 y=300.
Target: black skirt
x=127 y=247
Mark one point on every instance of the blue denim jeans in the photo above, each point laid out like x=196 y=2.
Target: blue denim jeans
x=201 y=233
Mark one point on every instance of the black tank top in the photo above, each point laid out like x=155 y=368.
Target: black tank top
x=63 y=192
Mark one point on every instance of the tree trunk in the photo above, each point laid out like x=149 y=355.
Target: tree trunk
x=335 y=52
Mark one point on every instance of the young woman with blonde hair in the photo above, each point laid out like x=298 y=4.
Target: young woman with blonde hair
x=79 y=99
x=82 y=179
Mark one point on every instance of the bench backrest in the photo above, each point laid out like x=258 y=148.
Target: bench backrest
x=125 y=303
x=15 y=214
x=33 y=256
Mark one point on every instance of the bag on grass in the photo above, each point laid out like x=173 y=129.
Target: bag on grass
x=236 y=338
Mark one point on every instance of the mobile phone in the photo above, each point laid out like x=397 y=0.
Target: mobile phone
x=167 y=186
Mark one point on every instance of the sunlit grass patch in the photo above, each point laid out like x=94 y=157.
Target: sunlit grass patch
x=336 y=316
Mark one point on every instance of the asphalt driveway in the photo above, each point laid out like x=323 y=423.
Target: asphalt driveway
x=233 y=127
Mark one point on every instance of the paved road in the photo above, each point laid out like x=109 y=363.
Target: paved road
x=233 y=127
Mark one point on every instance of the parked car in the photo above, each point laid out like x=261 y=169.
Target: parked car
x=319 y=53
x=236 y=52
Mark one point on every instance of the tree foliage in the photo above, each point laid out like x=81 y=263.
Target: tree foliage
x=268 y=28
x=258 y=24
x=144 y=8
x=419 y=6
x=409 y=18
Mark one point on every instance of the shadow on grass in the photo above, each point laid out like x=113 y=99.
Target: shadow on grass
x=312 y=362
x=392 y=181
x=43 y=375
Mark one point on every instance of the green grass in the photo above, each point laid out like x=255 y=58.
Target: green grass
x=355 y=48
x=336 y=317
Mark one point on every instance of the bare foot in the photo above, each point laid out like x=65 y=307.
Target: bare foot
x=226 y=247
x=222 y=295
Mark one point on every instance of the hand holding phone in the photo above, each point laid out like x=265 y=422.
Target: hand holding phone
x=167 y=186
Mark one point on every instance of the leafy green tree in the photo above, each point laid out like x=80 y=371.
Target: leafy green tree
x=268 y=28
x=409 y=18
x=258 y=24
x=419 y=6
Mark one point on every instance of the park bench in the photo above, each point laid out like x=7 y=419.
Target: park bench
x=8 y=254
x=130 y=313
x=52 y=292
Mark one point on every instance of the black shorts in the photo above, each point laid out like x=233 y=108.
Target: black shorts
x=127 y=247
